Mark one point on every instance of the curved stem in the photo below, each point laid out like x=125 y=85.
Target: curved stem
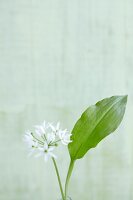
x=68 y=177
x=59 y=180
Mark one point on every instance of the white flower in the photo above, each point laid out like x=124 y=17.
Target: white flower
x=56 y=128
x=50 y=137
x=65 y=137
x=45 y=138
x=33 y=148
x=28 y=138
x=32 y=144
x=46 y=152
x=41 y=129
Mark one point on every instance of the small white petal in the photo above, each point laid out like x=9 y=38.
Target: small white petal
x=39 y=130
x=41 y=149
x=45 y=157
x=50 y=149
x=38 y=133
x=44 y=123
x=45 y=147
x=52 y=127
x=50 y=137
x=31 y=152
x=58 y=126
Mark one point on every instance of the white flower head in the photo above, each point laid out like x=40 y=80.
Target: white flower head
x=41 y=129
x=56 y=128
x=65 y=137
x=51 y=137
x=46 y=152
x=45 y=138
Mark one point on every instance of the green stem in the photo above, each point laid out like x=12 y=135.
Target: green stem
x=68 y=177
x=59 y=180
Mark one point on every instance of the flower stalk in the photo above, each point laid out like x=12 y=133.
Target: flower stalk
x=59 y=180
x=70 y=169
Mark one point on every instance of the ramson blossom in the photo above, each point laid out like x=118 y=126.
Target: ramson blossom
x=46 y=152
x=45 y=138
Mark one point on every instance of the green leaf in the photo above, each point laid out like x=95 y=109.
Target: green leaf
x=97 y=122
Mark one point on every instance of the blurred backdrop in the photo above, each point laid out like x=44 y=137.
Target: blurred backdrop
x=56 y=58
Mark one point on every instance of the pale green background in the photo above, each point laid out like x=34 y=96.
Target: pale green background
x=56 y=58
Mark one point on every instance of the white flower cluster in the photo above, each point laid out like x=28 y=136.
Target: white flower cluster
x=45 y=139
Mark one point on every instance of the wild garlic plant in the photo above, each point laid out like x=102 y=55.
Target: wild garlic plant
x=44 y=140
x=97 y=122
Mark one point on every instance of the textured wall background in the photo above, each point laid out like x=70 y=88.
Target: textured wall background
x=56 y=58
